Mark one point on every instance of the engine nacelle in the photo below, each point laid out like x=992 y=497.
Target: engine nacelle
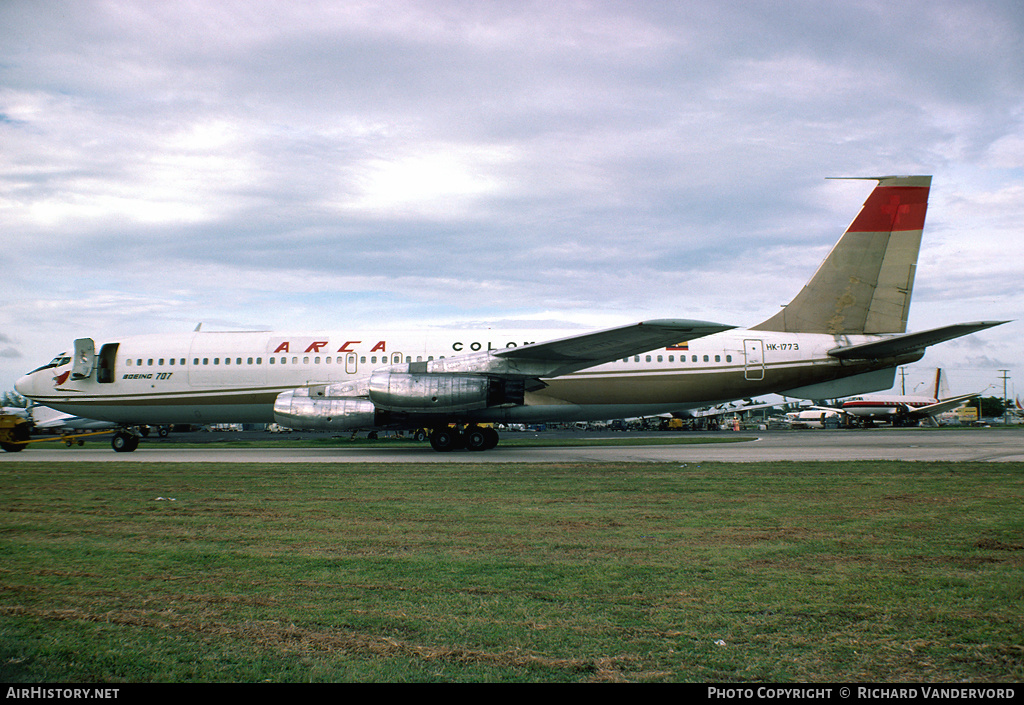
x=296 y=409
x=440 y=393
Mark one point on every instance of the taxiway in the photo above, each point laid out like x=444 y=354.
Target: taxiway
x=994 y=445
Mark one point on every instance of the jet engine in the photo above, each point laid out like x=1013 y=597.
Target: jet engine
x=297 y=409
x=441 y=393
x=393 y=399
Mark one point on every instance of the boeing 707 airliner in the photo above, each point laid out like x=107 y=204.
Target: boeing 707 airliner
x=844 y=333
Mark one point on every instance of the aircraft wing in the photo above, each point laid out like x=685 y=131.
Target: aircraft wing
x=589 y=349
x=942 y=406
x=564 y=355
x=909 y=342
x=832 y=409
x=724 y=409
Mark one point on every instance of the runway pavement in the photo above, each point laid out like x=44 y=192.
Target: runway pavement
x=995 y=445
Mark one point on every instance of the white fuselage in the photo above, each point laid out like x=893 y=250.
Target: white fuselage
x=235 y=377
x=885 y=406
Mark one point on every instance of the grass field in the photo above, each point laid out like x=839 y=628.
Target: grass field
x=858 y=571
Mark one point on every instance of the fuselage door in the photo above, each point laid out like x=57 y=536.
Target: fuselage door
x=107 y=361
x=753 y=351
x=85 y=358
x=350 y=363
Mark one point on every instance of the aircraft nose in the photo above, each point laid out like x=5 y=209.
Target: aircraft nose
x=25 y=386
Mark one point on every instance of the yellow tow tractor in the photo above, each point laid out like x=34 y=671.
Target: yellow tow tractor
x=16 y=432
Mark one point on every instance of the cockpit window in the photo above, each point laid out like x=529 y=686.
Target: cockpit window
x=58 y=361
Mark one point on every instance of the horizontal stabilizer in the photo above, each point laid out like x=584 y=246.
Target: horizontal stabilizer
x=909 y=342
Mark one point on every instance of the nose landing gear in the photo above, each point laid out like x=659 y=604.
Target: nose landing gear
x=124 y=442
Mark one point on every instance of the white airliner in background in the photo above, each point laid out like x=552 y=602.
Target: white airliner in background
x=46 y=419
x=843 y=334
x=902 y=409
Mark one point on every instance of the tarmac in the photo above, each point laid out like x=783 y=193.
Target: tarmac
x=917 y=444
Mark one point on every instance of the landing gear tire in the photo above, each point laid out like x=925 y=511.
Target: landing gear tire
x=492 y=438
x=475 y=438
x=444 y=440
x=123 y=442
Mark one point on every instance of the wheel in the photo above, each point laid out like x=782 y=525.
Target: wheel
x=124 y=442
x=444 y=439
x=475 y=438
x=492 y=438
x=20 y=432
x=420 y=435
x=163 y=431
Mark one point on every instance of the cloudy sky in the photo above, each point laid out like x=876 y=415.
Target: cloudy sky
x=333 y=165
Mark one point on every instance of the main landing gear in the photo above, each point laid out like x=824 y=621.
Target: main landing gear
x=446 y=439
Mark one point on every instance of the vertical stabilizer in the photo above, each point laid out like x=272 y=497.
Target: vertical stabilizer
x=865 y=283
